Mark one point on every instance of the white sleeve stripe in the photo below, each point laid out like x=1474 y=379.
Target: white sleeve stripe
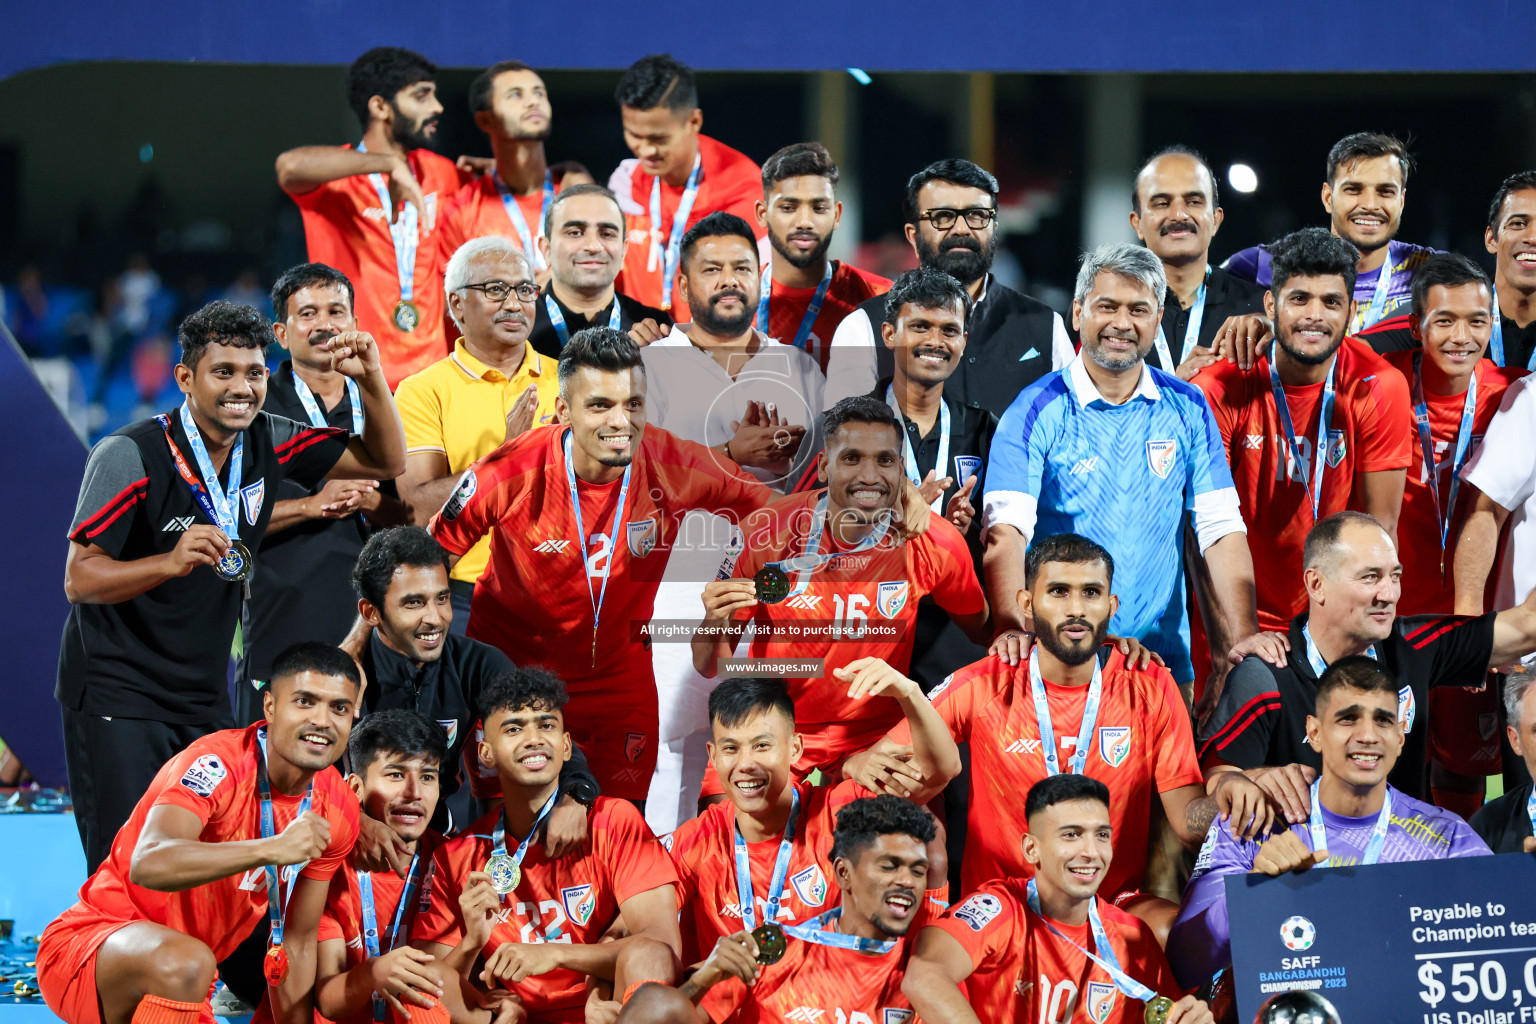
x=1062 y=352
x=1010 y=508
x=1216 y=514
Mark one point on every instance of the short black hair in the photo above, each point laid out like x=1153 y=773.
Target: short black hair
x=1177 y=149
x=396 y=731
x=1356 y=672
x=223 y=322
x=926 y=288
x=716 y=224
x=857 y=409
x=598 y=348
x=1367 y=146
x=737 y=699
x=387 y=551
x=480 y=88
x=1517 y=182
x=864 y=820
x=955 y=172
x=799 y=160
x=586 y=188
x=314 y=656
x=384 y=71
x=306 y=275
x=1451 y=269
x=525 y=687
x=1063 y=788
x=1312 y=252
x=658 y=80
x=1071 y=548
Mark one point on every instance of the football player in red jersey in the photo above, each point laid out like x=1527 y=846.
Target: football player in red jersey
x=538 y=923
x=243 y=822
x=846 y=589
x=852 y=957
x=1021 y=950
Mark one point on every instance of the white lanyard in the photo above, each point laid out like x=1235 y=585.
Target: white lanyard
x=1191 y=329
x=909 y=451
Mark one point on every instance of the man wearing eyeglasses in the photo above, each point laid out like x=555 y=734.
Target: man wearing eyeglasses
x=951 y=214
x=493 y=387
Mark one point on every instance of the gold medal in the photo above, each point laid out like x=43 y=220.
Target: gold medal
x=236 y=565
x=771 y=944
x=1157 y=1010
x=407 y=316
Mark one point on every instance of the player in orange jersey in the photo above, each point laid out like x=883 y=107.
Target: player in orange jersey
x=242 y=822
x=1048 y=949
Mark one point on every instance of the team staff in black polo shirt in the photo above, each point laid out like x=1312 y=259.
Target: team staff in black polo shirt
x=302 y=589
x=1353 y=581
x=411 y=660
x=1506 y=823
x=583 y=244
x=158 y=560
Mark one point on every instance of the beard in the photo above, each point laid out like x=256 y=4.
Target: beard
x=795 y=259
x=718 y=324
x=965 y=259
x=1096 y=353
x=413 y=134
x=1309 y=358
x=1069 y=654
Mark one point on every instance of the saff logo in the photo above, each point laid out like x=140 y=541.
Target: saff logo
x=1406 y=706
x=1298 y=934
x=1161 y=456
x=810 y=886
x=1114 y=744
x=1101 y=1001
x=891 y=598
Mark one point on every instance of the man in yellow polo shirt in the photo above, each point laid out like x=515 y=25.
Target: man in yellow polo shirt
x=493 y=387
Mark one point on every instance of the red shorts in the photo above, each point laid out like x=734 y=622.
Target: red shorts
x=1464 y=729
x=826 y=748
x=66 y=964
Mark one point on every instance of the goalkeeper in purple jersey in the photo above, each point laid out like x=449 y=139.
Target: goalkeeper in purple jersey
x=1356 y=818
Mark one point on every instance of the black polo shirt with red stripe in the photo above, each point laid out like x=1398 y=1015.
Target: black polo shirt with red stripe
x=164 y=655
x=1261 y=718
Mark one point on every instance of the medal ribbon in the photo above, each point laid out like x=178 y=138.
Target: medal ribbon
x=1043 y=719
x=812 y=311
x=1191 y=329
x=1324 y=419
x=909 y=453
x=811 y=560
x=371 y=923
x=822 y=931
x=402 y=231
x=499 y=836
x=1106 y=958
x=1427 y=447
x=619 y=523
x=1315 y=657
x=780 y=869
x=670 y=254
x=1378 y=307
x=1530 y=809
x=221 y=507
x=277 y=906
x=317 y=416
x=1378 y=830
x=557 y=318
x=520 y=223
x=1496 y=342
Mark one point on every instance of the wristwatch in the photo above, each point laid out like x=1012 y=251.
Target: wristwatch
x=582 y=791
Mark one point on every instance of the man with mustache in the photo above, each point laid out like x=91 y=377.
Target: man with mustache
x=302 y=588
x=806 y=295
x=1013 y=340
x=1319 y=424
x=1176 y=212
x=493 y=387
x=370 y=210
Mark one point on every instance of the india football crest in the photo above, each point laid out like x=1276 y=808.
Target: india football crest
x=450 y=729
x=810 y=885
x=891 y=1015
x=579 y=901
x=1161 y=455
x=1338 y=447
x=1114 y=744
x=1101 y=1001
x=1406 y=706
x=252 y=496
x=967 y=466
x=642 y=537
x=891 y=598
x=634 y=745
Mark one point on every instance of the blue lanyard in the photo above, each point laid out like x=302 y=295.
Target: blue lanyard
x=1378 y=307
x=557 y=318
x=780 y=869
x=520 y=223
x=812 y=311
x=402 y=231
x=679 y=226
x=1427 y=448
x=221 y=507
x=1530 y=808
x=1324 y=418
x=1315 y=657
x=822 y=931
x=1378 y=831
x=909 y=454
x=582 y=539
x=1496 y=341
x=499 y=835
x=1106 y=958
x=312 y=407
x=277 y=906
x=812 y=559
x=1191 y=329
x=1043 y=719
x=371 y=921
